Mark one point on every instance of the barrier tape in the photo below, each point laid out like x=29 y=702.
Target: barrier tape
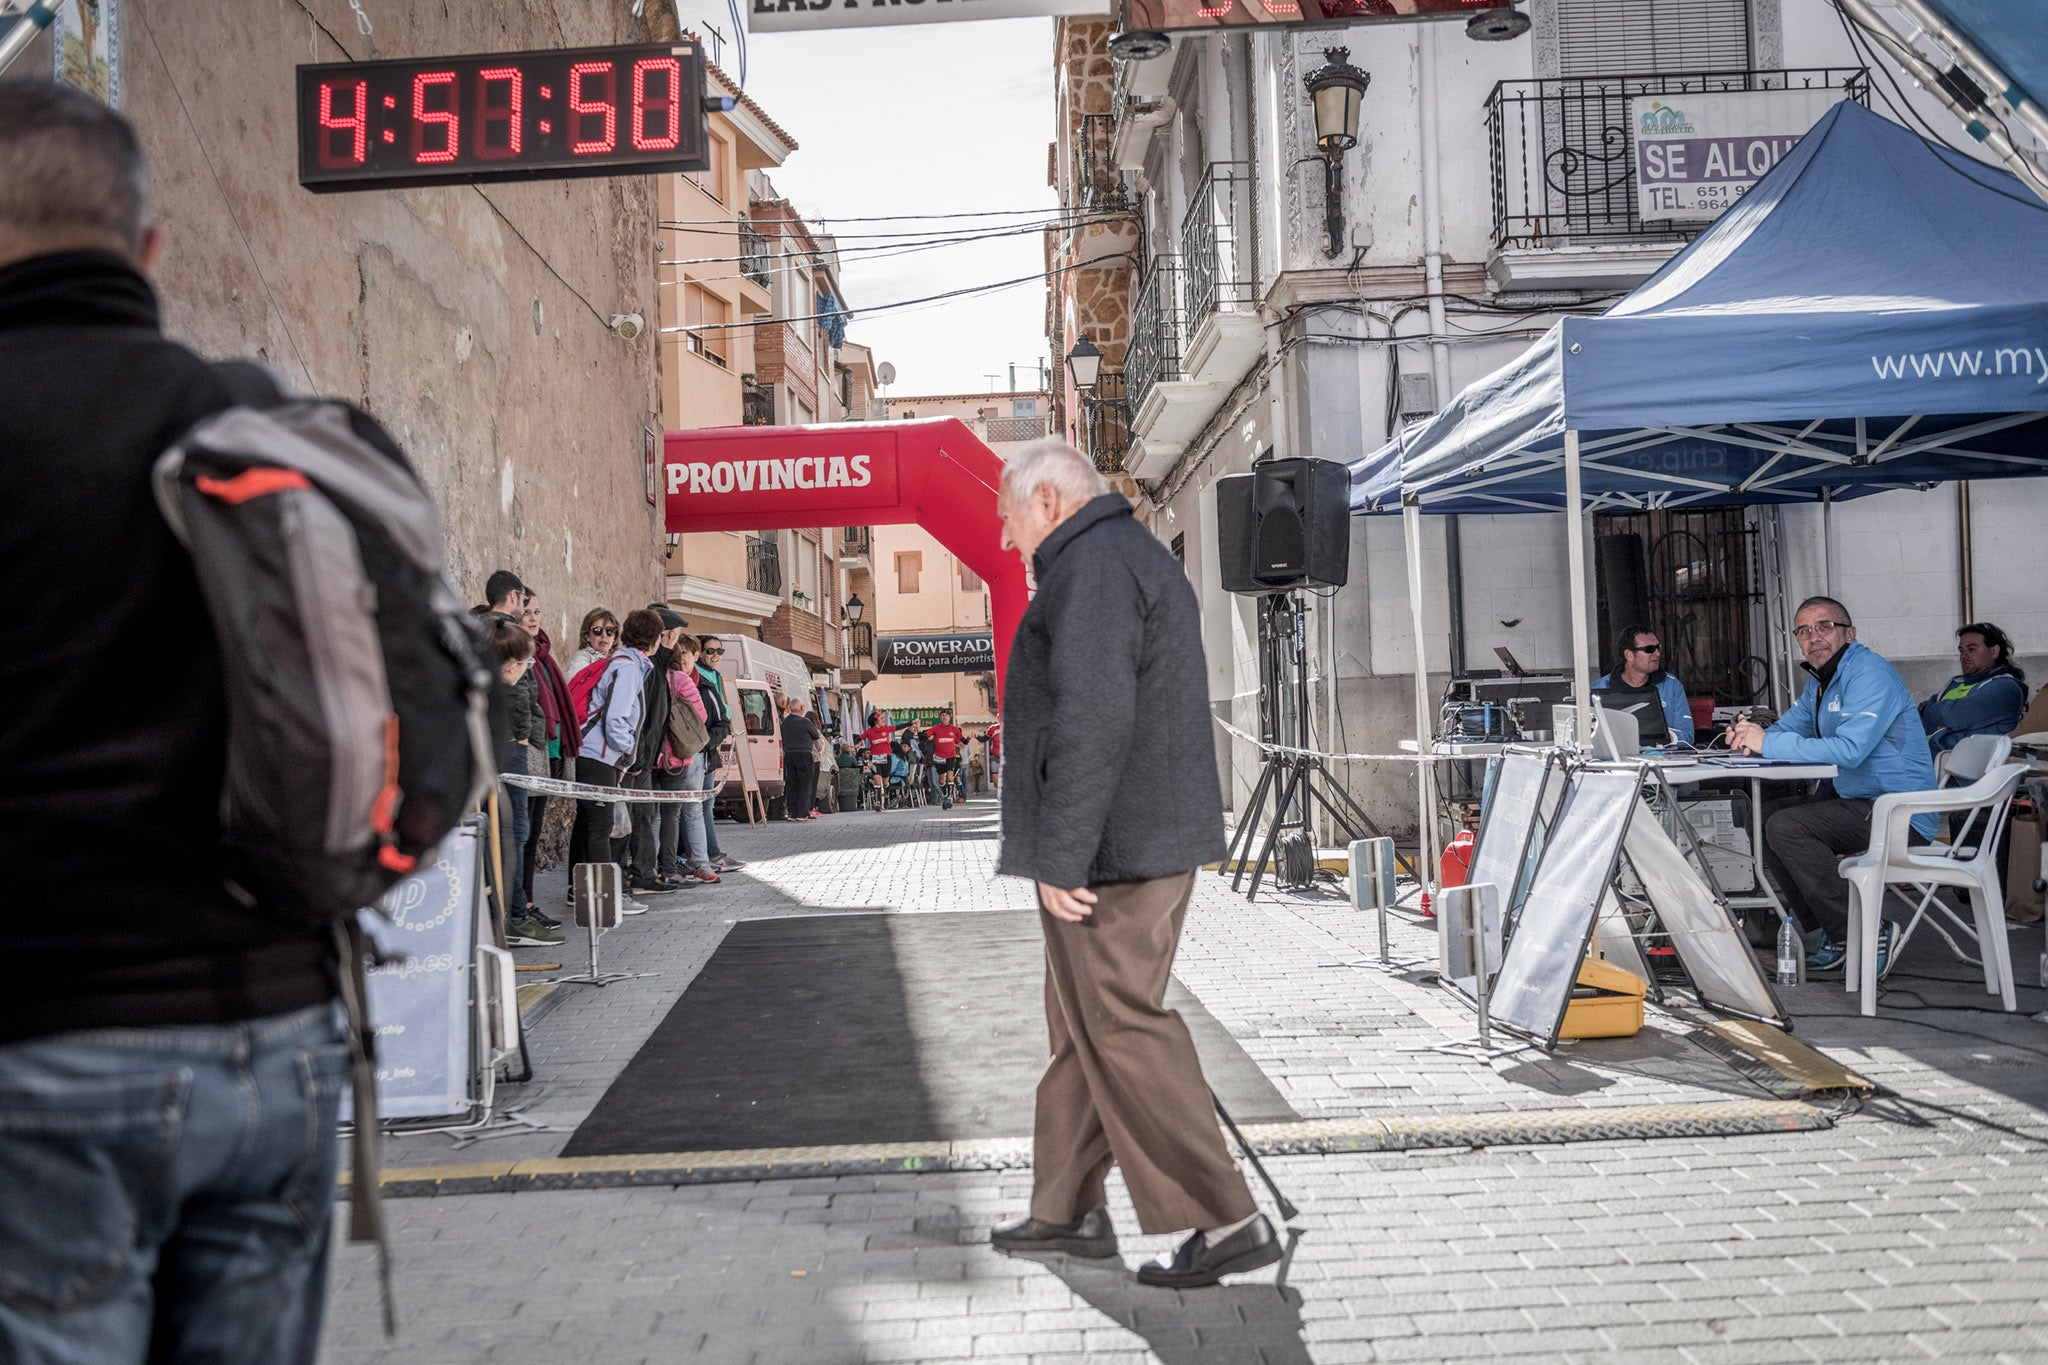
x=1354 y=758
x=584 y=791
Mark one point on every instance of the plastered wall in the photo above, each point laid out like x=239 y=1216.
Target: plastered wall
x=473 y=322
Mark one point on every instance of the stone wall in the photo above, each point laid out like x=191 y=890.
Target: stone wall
x=472 y=321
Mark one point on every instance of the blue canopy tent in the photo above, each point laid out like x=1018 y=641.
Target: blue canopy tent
x=1873 y=314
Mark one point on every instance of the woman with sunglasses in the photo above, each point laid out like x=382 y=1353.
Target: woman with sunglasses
x=598 y=638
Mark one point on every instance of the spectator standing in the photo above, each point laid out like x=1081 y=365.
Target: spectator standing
x=644 y=871
x=558 y=723
x=596 y=640
x=509 y=644
x=799 y=762
x=711 y=687
x=1987 y=698
x=504 y=594
x=160 y=1022
x=679 y=835
x=610 y=730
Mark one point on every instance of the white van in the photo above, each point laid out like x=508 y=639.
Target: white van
x=762 y=678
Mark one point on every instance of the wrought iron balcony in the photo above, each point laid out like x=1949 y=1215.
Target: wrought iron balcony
x=1097 y=183
x=1215 y=242
x=1156 y=331
x=1563 y=151
x=856 y=540
x=1107 y=415
x=753 y=255
x=764 y=566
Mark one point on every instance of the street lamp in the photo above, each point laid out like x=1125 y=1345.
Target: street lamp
x=1337 y=89
x=854 y=607
x=1084 y=363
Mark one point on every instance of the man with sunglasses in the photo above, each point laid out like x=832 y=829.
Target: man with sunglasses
x=1857 y=715
x=1641 y=687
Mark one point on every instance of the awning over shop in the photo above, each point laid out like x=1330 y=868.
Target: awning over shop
x=1873 y=314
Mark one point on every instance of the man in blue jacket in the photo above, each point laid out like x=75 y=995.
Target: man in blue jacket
x=1857 y=715
x=1987 y=698
x=1641 y=686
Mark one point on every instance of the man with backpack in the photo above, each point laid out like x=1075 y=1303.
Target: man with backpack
x=171 y=1046
x=645 y=872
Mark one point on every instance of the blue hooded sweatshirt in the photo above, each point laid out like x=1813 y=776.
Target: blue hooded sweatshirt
x=1864 y=722
x=1671 y=692
x=1973 y=704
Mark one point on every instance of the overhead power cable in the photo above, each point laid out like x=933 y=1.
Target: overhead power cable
x=1046 y=212
x=860 y=253
x=1037 y=278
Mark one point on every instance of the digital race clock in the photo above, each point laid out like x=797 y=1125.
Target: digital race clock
x=505 y=116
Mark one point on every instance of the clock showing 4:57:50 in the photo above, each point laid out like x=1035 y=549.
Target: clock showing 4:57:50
x=502 y=116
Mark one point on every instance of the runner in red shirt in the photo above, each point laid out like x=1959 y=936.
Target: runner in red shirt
x=879 y=738
x=946 y=741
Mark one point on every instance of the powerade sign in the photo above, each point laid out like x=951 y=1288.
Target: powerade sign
x=968 y=652
x=1698 y=153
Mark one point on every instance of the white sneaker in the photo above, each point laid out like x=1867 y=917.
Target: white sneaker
x=629 y=906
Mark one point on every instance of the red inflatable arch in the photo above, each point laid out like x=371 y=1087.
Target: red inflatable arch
x=931 y=471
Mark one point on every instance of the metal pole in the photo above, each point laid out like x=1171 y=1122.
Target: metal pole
x=1425 y=771
x=39 y=16
x=1575 y=546
x=1965 y=556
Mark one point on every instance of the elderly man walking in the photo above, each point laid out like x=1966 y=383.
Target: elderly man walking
x=1113 y=804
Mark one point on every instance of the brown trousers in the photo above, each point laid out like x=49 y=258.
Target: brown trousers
x=1124 y=1084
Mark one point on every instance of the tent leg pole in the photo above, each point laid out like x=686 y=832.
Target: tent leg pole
x=1575 y=547
x=1425 y=730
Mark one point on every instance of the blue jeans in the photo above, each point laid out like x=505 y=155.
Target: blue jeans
x=169 y=1191
x=711 y=849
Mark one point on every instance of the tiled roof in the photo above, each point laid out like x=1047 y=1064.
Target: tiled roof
x=747 y=102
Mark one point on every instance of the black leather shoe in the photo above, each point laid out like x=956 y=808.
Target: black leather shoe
x=1090 y=1235
x=1197 y=1263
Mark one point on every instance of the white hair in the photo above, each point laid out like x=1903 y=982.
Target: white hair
x=1052 y=461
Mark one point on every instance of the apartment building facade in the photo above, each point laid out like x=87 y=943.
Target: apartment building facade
x=746 y=342
x=1277 y=304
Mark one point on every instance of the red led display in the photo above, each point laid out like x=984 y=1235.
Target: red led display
x=503 y=116
x=1168 y=15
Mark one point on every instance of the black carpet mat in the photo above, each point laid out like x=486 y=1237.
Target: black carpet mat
x=835 y=1029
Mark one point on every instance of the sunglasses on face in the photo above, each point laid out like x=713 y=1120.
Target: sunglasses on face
x=1647 y=649
x=713 y=653
x=604 y=630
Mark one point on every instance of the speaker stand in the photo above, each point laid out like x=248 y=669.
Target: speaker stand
x=1289 y=773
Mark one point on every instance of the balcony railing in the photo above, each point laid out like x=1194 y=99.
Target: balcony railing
x=764 y=566
x=856 y=540
x=1564 y=153
x=1156 y=335
x=860 y=643
x=1215 y=242
x=1002 y=429
x=1097 y=183
x=753 y=255
x=1107 y=412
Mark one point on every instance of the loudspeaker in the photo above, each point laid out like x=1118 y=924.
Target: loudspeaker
x=1623 y=584
x=1285 y=525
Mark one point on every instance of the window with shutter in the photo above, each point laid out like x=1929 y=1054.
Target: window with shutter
x=1642 y=37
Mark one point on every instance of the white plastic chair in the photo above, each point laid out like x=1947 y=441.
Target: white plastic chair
x=1972 y=757
x=1892 y=859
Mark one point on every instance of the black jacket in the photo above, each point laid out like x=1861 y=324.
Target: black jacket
x=655 y=700
x=113 y=720
x=1109 y=769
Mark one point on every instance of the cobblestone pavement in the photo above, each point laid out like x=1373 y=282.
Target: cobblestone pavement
x=1913 y=1229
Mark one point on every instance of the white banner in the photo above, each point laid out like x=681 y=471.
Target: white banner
x=805 y=16
x=1697 y=154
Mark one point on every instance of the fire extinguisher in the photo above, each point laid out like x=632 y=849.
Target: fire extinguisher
x=1453 y=866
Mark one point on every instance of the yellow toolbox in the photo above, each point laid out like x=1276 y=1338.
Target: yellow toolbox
x=1607 y=1002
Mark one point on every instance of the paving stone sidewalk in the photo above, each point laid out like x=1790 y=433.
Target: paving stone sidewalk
x=1911 y=1230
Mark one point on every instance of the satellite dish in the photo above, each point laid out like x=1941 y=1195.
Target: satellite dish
x=887 y=373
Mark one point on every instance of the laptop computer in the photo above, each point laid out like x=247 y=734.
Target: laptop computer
x=1615 y=733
